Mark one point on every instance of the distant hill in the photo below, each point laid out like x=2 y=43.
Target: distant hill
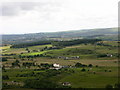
x=102 y=33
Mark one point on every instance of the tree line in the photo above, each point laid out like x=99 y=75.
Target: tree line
x=57 y=43
x=23 y=45
x=75 y=42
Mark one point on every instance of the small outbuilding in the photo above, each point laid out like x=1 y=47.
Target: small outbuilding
x=66 y=84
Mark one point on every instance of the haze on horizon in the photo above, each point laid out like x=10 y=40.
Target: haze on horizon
x=34 y=16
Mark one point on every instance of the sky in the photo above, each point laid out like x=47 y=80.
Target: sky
x=34 y=16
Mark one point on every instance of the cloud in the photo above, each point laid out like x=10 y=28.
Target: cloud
x=57 y=15
x=15 y=8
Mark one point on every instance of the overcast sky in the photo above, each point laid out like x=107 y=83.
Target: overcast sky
x=33 y=16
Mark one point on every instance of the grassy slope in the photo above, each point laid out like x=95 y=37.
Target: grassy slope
x=20 y=50
x=77 y=79
x=99 y=49
x=90 y=80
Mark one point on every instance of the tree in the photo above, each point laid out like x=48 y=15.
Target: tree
x=78 y=65
x=26 y=49
x=109 y=86
x=16 y=63
x=83 y=70
x=90 y=65
x=96 y=66
x=117 y=85
x=101 y=55
x=3 y=68
x=5 y=77
x=4 y=59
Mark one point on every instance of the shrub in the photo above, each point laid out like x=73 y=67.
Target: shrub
x=109 y=86
x=101 y=55
x=96 y=66
x=78 y=65
x=117 y=85
x=90 y=65
x=5 y=77
x=83 y=70
x=4 y=59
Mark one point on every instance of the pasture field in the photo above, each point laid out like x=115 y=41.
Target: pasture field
x=9 y=50
x=77 y=79
x=89 y=80
x=5 y=47
x=104 y=69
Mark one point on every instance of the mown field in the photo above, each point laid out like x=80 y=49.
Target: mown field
x=104 y=70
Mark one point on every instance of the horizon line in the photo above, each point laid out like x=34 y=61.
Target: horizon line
x=55 y=31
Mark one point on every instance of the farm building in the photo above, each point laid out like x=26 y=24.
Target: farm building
x=66 y=84
x=56 y=66
x=109 y=55
x=69 y=58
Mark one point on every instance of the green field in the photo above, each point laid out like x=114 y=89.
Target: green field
x=9 y=50
x=106 y=72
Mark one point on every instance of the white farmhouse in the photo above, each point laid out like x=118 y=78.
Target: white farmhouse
x=56 y=65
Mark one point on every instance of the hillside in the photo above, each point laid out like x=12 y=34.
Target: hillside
x=81 y=66
x=103 y=33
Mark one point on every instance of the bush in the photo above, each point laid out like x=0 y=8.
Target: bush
x=96 y=66
x=105 y=70
x=109 y=86
x=117 y=85
x=101 y=55
x=4 y=59
x=78 y=65
x=5 y=77
x=90 y=65
x=83 y=70
x=109 y=71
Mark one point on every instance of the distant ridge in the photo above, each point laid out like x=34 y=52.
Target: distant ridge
x=102 y=33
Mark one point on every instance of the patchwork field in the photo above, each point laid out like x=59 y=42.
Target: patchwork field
x=21 y=64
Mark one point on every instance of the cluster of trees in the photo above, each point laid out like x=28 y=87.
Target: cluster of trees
x=46 y=65
x=16 y=63
x=83 y=65
x=42 y=65
x=59 y=44
x=25 y=74
x=42 y=79
x=102 y=44
x=51 y=48
x=42 y=83
x=4 y=59
x=23 y=45
x=101 y=55
x=75 y=42
x=116 y=86
x=80 y=51
x=28 y=64
x=8 y=54
x=31 y=56
x=5 y=77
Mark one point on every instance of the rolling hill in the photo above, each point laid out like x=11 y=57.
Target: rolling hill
x=102 y=33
